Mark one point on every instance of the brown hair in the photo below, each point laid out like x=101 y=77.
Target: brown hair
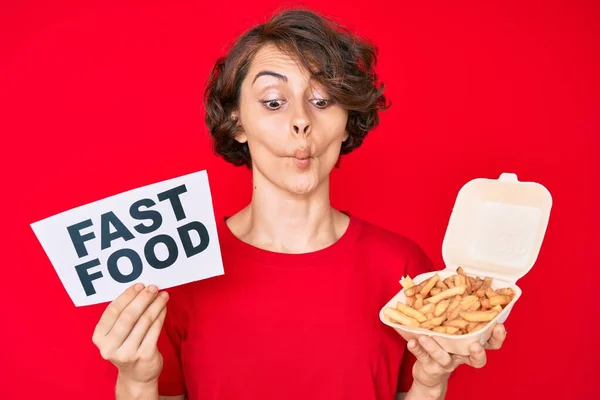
x=334 y=57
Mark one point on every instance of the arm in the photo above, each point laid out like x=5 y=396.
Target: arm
x=421 y=392
x=412 y=389
x=127 y=335
x=127 y=390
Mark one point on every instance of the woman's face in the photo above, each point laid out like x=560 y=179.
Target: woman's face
x=293 y=130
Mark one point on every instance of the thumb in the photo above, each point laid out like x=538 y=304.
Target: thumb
x=415 y=348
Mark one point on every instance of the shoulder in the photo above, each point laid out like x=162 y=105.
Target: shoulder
x=392 y=248
x=376 y=235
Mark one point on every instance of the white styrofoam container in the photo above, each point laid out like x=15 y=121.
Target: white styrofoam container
x=496 y=229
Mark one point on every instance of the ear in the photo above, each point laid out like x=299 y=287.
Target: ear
x=346 y=136
x=240 y=135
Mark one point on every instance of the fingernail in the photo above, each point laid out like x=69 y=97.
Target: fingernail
x=424 y=340
x=164 y=295
x=138 y=287
x=412 y=344
x=152 y=289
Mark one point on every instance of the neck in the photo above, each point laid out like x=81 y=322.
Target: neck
x=290 y=223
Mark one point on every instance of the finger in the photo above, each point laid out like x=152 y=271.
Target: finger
x=151 y=338
x=130 y=316
x=115 y=308
x=497 y=339
x=143 y=324
x=436 y=353
x=419 y=352
x=477 y=355
x=460 y=359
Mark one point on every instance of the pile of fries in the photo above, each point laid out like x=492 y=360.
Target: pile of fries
x=457 y=305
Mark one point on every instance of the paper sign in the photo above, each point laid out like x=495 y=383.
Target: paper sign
x=163 y=234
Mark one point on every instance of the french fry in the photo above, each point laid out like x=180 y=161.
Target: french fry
x=459 y=323
x=454 y=314
x=479 y=316
x=475 y=306
x=475 y=326
x=437 y=321
x=454 y=308
x=451 y=330
x=430 y=284
x=441 y=307
x=407 y=282
x=411 y=291
x=468 y=301
x=410 y=312
x=487 y=281
x=457 y=305
x=506 y=292
x=489 y=292
x=472 y=325
x=469 y=286
x=397 y=317
x=495 y=300
x=418 y=302
x=427 y=325
x=449 y=282
x=427 y=308
x=476 y=285
x=446 y=294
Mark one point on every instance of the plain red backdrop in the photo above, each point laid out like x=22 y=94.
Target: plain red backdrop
x=102 y=97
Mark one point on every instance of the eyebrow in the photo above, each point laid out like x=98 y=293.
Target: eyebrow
x=270 y=73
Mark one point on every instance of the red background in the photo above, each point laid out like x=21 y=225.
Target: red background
x=102 y=97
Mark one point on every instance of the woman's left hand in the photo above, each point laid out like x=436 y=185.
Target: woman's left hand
x=434 y=365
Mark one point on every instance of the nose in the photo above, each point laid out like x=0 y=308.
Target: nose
x=302 y=127
x=301 y=123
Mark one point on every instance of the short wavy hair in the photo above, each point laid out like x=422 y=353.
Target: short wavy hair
x=336 y=58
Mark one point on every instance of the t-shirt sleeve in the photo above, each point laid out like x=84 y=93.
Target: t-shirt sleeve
x=171 y=380
x=420 y=263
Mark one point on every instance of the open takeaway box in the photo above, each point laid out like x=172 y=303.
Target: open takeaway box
x=493 y=238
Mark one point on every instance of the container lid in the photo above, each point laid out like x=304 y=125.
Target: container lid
x=497 y=227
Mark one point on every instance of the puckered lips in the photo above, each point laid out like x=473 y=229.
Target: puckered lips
x=302 y=157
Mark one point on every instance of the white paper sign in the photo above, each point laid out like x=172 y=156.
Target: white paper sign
x=163 y=234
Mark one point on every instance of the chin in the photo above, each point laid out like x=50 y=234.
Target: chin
x=301 y=184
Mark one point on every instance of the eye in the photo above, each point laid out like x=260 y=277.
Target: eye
x=321 y=103
x=274 y=104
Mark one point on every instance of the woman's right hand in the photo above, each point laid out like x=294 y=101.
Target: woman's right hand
x=128 y=331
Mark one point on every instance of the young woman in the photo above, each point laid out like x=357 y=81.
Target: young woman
x=295 y=316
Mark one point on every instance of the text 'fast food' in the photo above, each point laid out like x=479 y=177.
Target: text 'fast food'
x=457 y=305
